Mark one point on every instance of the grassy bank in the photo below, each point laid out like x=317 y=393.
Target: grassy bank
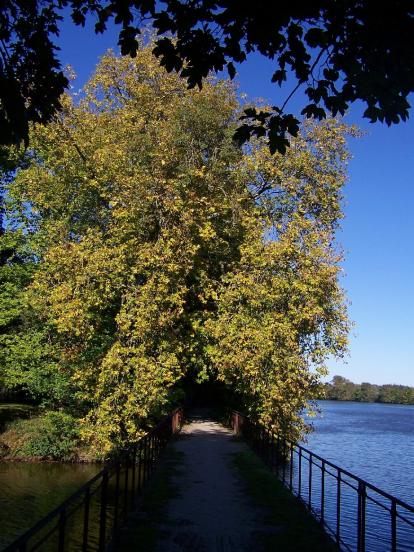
x=291 y=527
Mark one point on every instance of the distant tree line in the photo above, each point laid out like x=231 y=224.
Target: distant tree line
x=341 y=389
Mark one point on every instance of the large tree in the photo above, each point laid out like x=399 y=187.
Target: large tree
x=166 y=252
x=337 y=51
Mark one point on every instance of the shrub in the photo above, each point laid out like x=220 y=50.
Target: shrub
x=53 y=435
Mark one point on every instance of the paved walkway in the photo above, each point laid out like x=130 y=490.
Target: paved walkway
x=212 y=512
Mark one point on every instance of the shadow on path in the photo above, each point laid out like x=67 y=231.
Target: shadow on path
x=212 y=512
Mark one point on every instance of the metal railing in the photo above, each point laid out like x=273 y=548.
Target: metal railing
x=357 y=515
x=91 y=517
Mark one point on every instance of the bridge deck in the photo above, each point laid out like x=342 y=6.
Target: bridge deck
x=212 y=510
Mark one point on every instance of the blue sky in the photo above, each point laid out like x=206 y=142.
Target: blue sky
x=377 y=233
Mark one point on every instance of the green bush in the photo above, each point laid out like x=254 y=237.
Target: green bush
x=53 y=435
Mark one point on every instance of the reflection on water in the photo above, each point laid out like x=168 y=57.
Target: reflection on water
x=81 y=521
x=29 y=491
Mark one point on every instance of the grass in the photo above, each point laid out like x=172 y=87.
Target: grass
x=291 y=526
x=143 y=529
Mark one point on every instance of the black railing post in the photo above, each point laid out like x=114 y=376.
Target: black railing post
x=151 y=453
x=300 y=473
x=140 y=465
x=393 y=526
x=102 y=517
x=272 y=450
x=338 y=507
x=153 y=457
x=291 y=467
x=144 y=459
x=310 y=481
x=157 y=447
x=323 y=492
x=255 y=439
x=87 y=501
x=269 y=448
x=147 y=457
x=361 y=516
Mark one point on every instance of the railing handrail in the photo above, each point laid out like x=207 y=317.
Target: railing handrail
x=106 y=471
x=268 y=443
x=371 y=486
x=53 y=513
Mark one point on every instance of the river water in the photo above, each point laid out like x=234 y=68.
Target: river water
x=373 y=441
x=29 y=491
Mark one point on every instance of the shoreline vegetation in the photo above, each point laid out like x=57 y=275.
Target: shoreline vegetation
x=29 y=433
x=342 y=389
x=22 y=425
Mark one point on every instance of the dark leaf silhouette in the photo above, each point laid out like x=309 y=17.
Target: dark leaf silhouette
x=340 y=52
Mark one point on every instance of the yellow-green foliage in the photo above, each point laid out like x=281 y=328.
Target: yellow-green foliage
x=281 y=311
x=167 y=251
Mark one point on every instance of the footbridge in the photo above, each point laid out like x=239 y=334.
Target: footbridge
x=194 y=483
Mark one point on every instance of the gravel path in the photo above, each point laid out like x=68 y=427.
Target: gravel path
x=212 y=512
